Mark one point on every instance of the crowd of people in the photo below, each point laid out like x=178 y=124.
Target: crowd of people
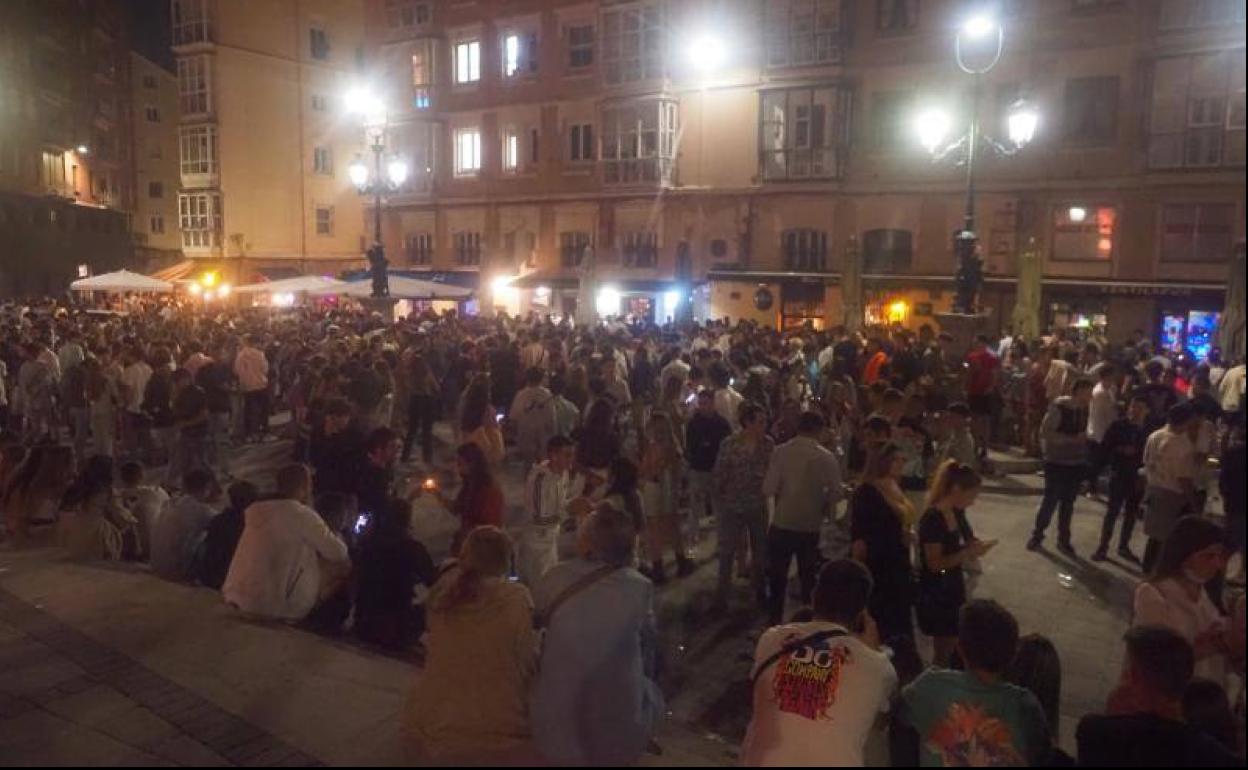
x=856 y=457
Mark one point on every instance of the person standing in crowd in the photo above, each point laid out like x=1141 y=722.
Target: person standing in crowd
x=223 y=533
x=982 y=374
x=704 y=433
x=1175 y=596
x=287 y=561
x=36 y=393
x=804 y=483
x=739 y=502
x=158 y=409
x=600 y=637
x=567 y=415
x=335 y=450
x=661 y=468
x=1123 y=450
x=190 y=423
x=133 y=381
x=469 y=703
x=881 y=521
x=1143 y=722
x=974 y=717
x=546 y=498
x=947 y=545
x=178 y=535
x=820 y=687
x=533 y=415
x=251 y=367
x=1160 y=396
x=1232 y=483
x=1102 y=412
x=422 y=394
x=1170 y=470
x=1065 y=442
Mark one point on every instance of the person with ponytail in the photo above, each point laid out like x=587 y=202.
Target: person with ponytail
x=880 y=520
x=946 y=545
x=471 y=698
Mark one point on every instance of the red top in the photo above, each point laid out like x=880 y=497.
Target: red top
x=979 y=378
x=872 y=371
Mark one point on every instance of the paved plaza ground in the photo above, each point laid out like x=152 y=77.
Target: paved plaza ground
x=108 y=665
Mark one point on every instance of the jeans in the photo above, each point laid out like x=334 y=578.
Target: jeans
x=782 y=546
x=1125 y=494
x=420 y=412
x=255 y=412
x=1061 y=487
x=735 y=524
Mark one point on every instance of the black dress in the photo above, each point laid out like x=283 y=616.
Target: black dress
x=941 y=593
x=880 y=526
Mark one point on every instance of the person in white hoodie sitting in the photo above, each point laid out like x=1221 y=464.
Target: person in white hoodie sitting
x=287 y=561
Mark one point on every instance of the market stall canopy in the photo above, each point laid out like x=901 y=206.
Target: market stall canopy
x=316 y=284
x=121 y=280
x=401 y=288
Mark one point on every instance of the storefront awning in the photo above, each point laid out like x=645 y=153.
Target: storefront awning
x=467 y=279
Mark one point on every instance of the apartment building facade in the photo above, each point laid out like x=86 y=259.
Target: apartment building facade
x=743 y=146
x=263 y=142
x=154 y=116
x=66 y=186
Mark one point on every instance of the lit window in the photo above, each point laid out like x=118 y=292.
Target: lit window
x=804 y=132
x=1084 y=232
x=421 y=81
x=511 y=150
x=519 y=54
x=468 y=61
x=467 y=151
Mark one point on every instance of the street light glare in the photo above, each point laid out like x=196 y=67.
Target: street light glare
x=932 y=126
x=363 y=102
x=979 y=26
x=707 y=53
x=1022 y=123
x=358 y=172
x=396 y=169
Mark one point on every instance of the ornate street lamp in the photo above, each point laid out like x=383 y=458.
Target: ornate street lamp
x=977 y=48
x=385 y=175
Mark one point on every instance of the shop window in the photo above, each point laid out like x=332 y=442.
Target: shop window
x=802 y=303
x=887 y=251
x=1084 y=232
x=572 y=246
x=1197 y=232
x=804 y=250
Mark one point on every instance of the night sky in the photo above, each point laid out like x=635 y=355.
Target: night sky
x=149 y=22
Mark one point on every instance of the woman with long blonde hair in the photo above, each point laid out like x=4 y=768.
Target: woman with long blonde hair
x=946 y=546
x=662 y=462
x=880 y=536
x=470 y=703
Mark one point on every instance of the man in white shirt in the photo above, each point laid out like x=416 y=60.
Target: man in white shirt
x=1102 y=411
x=533 y=414
x=534 y=353
x=134 y=376
x=547 y=493
x=178 y=531
x=820 y=687
x=1231 y=389
x=252 y=369
x=1170 y=469
x=676 y=368
x=287 y=560
x=145 y=501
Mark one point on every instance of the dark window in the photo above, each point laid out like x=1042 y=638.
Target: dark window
x=318 y=43
x=581 y=143
x=1197 y=232
x=572 y=248
x=155 y=190
x=719 y=248
x=887 y=251
x=580 y=46
x=640 y=249
x=895 y=17
x=468 y=249
x=1091 y=111
x=419 y=248
x=804 y=250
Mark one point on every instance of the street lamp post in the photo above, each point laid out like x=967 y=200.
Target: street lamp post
x=376 y=181
x=977 y=48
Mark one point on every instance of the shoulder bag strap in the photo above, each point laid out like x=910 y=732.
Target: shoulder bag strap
x=793 y=646
x=543 y=618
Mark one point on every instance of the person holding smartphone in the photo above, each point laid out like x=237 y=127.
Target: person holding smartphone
x=946 y=545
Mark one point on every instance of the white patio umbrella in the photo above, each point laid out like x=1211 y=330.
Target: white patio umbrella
x=121 y=280
x=317 y=284
x=401 y=287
